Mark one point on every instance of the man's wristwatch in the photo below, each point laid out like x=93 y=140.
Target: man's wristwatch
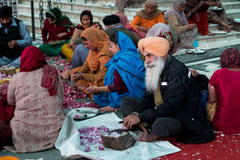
x=135 y=113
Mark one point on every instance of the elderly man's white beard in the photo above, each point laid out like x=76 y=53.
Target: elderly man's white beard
x=153 y=72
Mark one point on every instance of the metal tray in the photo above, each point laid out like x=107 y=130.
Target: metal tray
x=83 y=113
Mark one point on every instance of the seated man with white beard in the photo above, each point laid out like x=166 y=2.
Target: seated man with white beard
x=171 y=106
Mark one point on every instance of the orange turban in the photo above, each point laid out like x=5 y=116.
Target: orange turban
x=155 y=45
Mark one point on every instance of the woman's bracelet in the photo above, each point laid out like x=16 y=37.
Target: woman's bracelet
x=94 y=88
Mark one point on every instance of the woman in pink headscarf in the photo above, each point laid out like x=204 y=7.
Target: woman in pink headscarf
x=37 y=94
x=157 y=29
x=124 y=21
x=165 y=31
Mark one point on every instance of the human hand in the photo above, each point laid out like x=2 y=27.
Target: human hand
x=188 y=14
x=60 y=35
x=191 y=26
x=194 y=72
x=219 y=4
x=131 y=120
x=108 y=109
x=73 y=47
x=77 y=87
x=70 y=44
x=76 y=76
x=142 y=28
x=92 y=89
x=12 y=44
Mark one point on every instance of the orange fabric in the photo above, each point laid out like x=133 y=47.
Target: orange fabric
x=139 y=21
x=8 y=158
x=98 y=39
x=92 y=78
x=155 y=45
x=94 y=69
x=201 y=20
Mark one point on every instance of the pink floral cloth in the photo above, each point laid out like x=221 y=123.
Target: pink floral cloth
x=38 y=116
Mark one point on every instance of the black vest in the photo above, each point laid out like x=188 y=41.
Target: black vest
x=5 y=38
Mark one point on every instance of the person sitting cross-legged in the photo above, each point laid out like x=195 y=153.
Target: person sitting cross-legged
x=172 y=104
x=14 y=38
x=93 y=71
x=57 y=30
x=148 y=16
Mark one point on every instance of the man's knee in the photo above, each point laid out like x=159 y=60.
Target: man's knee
x=166 y=127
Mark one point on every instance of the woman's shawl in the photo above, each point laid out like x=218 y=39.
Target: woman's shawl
x=131 y=69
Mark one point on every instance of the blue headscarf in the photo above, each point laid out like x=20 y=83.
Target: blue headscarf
x=131 y=69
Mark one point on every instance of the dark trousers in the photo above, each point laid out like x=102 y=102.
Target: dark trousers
x=10 y=53
x=161 y=126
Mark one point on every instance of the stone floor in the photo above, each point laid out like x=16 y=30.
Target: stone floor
x=52 y=154
x=205 y=63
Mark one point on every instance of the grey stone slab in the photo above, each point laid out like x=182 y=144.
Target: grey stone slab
x=187 y=58
x=203 y=66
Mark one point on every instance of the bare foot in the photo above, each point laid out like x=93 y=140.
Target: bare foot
x=147 y=137
x=65 y=75
x=229 y=28
x=194 y=72
x=226 y=30
x=210 y=34
x=108 y=109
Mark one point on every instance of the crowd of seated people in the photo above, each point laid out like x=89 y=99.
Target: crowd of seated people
x=128 y=67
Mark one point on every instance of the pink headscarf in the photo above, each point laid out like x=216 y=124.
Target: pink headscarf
x=157 y=29
x=174 y=11
x=125 y=23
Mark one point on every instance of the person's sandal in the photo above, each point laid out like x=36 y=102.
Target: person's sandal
x=196 y=51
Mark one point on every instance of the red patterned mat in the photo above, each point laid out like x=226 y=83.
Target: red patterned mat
x=224 y=147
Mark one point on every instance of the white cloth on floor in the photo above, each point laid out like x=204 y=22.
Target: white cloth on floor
x=68 y=141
